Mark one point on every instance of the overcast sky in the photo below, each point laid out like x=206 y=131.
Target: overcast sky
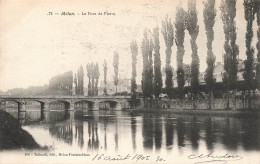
x=35 y=46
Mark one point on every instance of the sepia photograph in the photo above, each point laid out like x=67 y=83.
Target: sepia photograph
x=126 y=82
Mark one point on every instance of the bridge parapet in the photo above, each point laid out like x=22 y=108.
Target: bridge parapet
x=69 y=101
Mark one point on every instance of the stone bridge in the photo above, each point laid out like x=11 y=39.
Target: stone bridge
x=94 y=103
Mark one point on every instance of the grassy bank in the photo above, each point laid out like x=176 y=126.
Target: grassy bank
x=12 y=136
x=223 y=113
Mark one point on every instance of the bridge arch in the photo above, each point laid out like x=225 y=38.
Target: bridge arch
x=31 y=104
x=57 y=104
x=84 y=104
x=3 y=104
x=10 y=100
x=110 y=105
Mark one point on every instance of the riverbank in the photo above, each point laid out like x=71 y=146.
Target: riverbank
x=12 y=136
x=223 y=113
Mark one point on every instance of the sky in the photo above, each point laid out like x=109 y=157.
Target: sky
x=35 y=46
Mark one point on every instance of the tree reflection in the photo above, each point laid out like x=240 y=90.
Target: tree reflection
x=180 y=132
x=251 y=136
x=169 y=130
x=158 y=132
x=79 y=133
x=93 y=141
x=210 y=137
x=194 y=133
x=230 y=136
x=148 y=132
x=133 y=130
x=63 y=132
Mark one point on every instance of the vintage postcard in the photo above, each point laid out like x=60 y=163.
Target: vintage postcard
x=120 y=81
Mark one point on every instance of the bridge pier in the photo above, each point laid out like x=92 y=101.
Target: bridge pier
x=96 y=105
x=72 y=106
x=118 y=106
x=45 y=106
x=22 y=107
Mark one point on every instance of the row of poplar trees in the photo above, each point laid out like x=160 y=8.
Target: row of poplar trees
x=188 y=20
x=62 y=84
x=79 y=82
x=93 y=76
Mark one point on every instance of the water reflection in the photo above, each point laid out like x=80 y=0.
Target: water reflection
x=113 y=130
x=62 y=132
x=181 y=130
x=169 y=130
x=210 y=136
x=194 y=130
x=148 y=131
x=133 y=131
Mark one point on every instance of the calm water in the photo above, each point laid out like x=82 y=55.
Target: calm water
x=173 y=137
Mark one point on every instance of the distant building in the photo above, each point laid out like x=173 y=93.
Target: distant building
x=218 y=71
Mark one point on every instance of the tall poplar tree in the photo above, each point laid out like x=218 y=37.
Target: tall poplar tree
x=179 y=40
x=228 y=14
x=250 y=8
x=193 y=28
x=89 y=79
x=258 y=44
x=105 y=77
x=157 y=81
x=81 y=81
x=146 y=88
x=92 y=79
x=150 y=72
x=168 y=35
x=209 y=14
x=134 y=51
x=116 y=64
x=96 y=76
x=76 y=84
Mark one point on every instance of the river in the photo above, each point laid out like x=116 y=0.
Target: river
x=170 y=137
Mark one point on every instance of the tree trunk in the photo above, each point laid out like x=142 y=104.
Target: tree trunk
x=235 y=99
x=249 y=99
x=195 y=102
x=211 y=100
x=243 y=98
x=151 y=102
x=157 y=102
x=227 y=100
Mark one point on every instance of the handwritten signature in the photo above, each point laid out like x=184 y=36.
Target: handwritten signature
x=211 y=157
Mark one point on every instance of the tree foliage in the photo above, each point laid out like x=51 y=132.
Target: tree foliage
x=179 y=40
x=257 y=3
x=187 y=74
x=93 y=75
x=134 y=51
x=209 y=14
x=193 y=28
x=105 y=77
x=80 y=81
x=157 y=81
x=116 y=64
x=168 y=35
x=61 y=84
x=147 y=74
x=228 y=14
x=96 y=77
x=250 y=8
